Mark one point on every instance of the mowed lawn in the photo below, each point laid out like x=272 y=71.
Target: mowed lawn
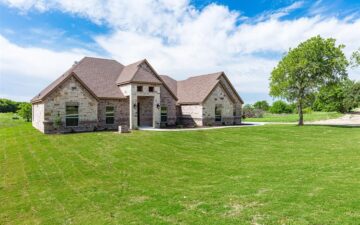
x=308 y=117
x=273 y=174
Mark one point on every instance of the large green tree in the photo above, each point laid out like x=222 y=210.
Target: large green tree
x=306 y=68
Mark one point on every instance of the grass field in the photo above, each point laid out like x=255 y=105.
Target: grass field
x=273 y=174
x=314 y=116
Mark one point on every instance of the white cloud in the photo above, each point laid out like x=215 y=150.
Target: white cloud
x=35 y=62
x=180 y=40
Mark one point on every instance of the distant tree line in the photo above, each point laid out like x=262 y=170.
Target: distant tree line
x=23 y=109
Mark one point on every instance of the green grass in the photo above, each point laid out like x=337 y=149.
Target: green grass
x=314 y=116
x=273 y=174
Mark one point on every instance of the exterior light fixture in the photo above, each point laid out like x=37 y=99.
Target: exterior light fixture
x=158 y=106
x=134 y=105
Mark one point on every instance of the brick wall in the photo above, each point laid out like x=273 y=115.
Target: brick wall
x=121 y=113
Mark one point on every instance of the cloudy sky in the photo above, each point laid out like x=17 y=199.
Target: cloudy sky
x=39 y=40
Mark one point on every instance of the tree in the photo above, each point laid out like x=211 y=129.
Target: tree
x=279 y=107
x=330 y=98
x=7 y=105
x=25 y=111
x=352 y=96
x=306 y=68
x=263 y=105
x=355 y=58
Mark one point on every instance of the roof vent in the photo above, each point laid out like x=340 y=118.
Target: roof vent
x=75 y=63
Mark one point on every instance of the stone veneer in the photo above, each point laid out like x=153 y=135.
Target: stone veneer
x=238 y=104
x=191 y=115
x=204 y=114
x=121 y=113
x=70 y=92
x=168 y=101
x=218 y=97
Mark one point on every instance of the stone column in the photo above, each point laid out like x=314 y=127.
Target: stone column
x=156 y=109
x=133 y=110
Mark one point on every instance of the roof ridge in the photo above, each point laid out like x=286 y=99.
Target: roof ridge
x=202 y=75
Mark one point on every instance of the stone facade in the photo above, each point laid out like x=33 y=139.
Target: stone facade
x=168 y=101
x=204 y=114
x=134 y=94
x=141 y=105
x=237 y=104
x=70 y=92
x=218 y=98
x=191 y=115
x=121 y=113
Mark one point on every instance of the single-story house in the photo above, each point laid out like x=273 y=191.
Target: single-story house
x=102 y=94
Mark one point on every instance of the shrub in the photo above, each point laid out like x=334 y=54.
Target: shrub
x=25 y=111
x=307 y=110
x=250 y=112
x=279 y=107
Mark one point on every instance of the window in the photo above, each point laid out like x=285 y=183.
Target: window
x=110 y=115
x=151 y=89
x=163 y=114
x=218 y=112
x=72 y=115
x=139 y=88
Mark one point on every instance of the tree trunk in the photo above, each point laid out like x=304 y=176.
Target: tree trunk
x=301 y=114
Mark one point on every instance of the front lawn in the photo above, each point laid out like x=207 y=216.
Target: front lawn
x=273 y=174
x=314 y=116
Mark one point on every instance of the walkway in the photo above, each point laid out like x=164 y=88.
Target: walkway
x=201 y=128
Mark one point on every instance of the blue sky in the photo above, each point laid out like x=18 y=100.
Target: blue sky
x=39 y=40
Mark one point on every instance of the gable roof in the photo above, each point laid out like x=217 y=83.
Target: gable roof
x=98 y=75
x=101 y=78
x=195 y=89
x=134 y=73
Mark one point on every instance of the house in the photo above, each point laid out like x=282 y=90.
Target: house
x=101 y=94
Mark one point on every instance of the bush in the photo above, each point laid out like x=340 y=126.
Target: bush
x=25 y=111
x=279 y=107
x=250 y=112
x=263 y=105
x=307 y=110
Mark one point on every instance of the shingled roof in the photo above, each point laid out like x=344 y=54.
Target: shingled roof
x=101 y=78
x=133 y=73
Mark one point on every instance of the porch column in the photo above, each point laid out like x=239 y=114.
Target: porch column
x=133 y=111
x=156 y=110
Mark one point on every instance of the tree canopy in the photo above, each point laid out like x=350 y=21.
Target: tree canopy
x=306 y=68
x=263 y=105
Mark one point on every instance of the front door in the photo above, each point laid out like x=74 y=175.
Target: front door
x=138 y=114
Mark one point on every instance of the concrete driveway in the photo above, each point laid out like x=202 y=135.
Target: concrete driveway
x=350 y=119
